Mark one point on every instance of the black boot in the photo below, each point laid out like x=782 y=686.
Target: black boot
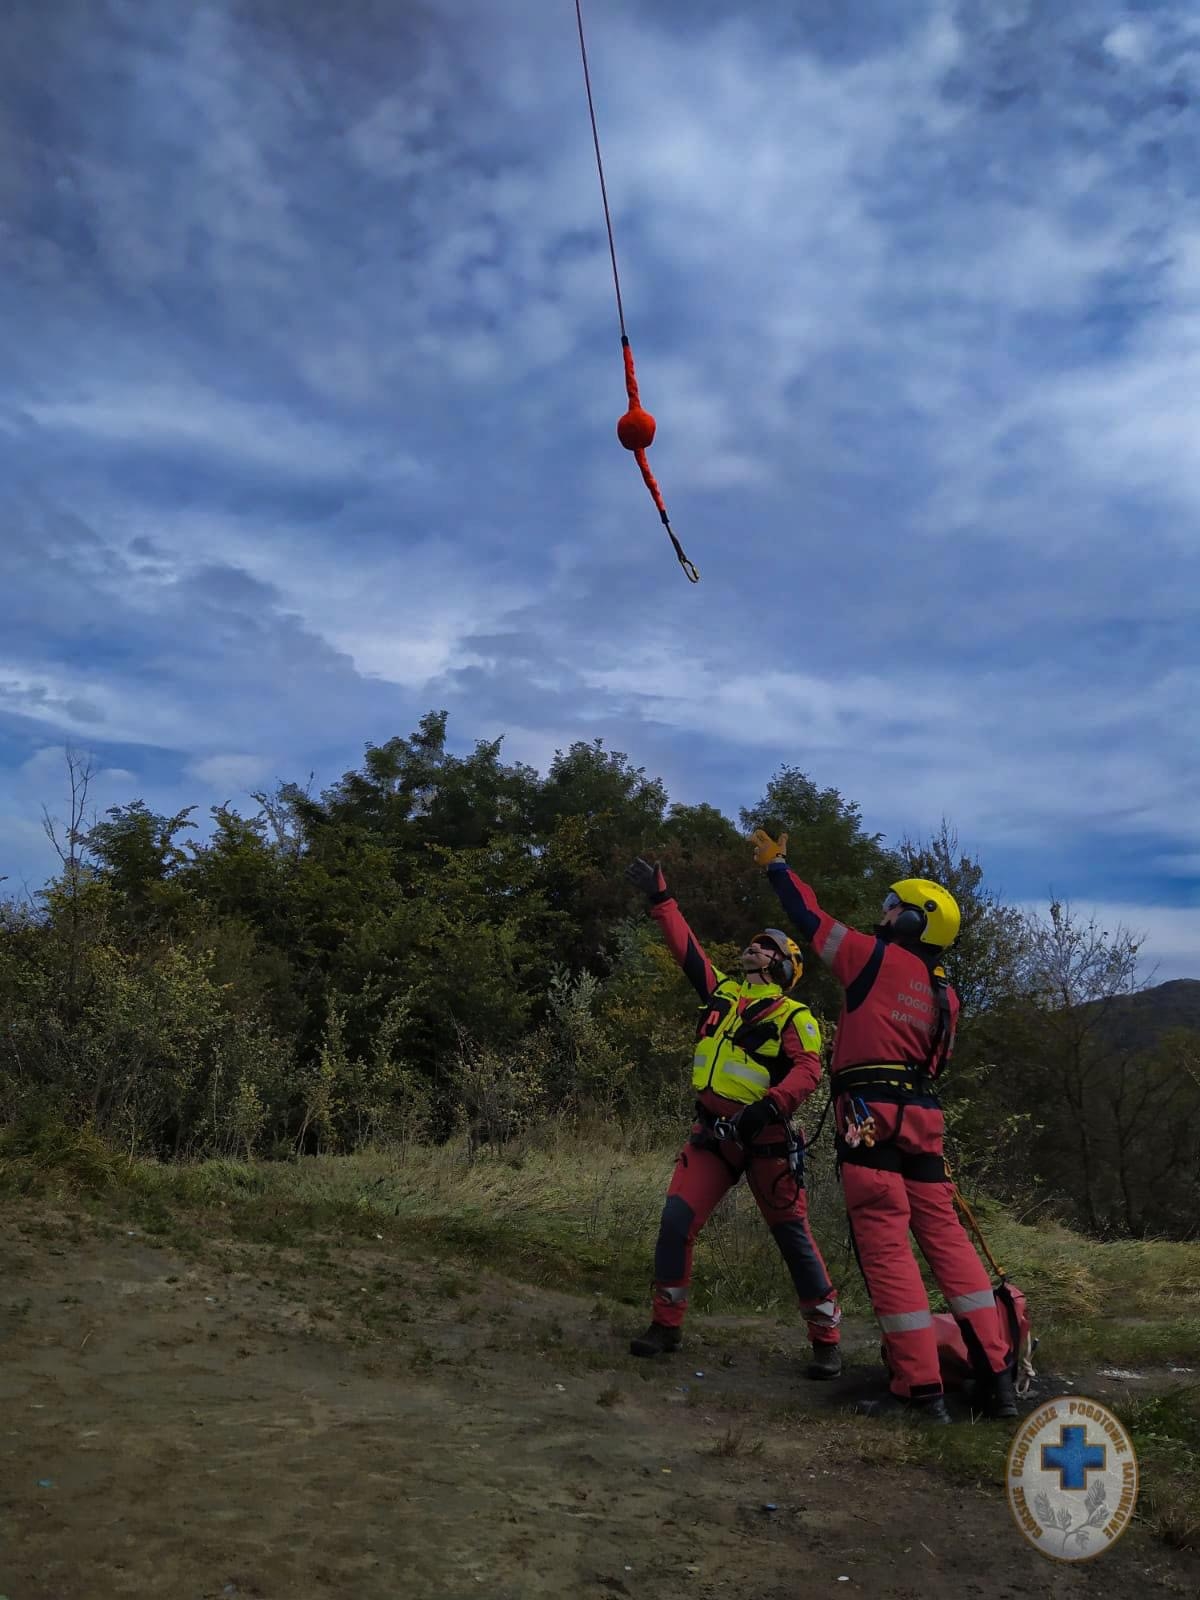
x=929 y=1408
x=826 y=1361
x=1000 y=1397
x=656 y=1341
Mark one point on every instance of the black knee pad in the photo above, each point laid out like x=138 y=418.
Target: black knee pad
x=798 y=1251
x=676 y=1218
x=670 y=1256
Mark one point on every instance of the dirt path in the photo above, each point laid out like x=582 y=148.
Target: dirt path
x=172 y=1429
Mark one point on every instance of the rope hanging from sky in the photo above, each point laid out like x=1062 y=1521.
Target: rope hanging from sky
x=635 y=429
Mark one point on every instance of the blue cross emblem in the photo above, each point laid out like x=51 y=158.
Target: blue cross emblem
x=1073 y=1458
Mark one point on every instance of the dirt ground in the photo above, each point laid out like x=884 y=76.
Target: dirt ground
x=192 y=1428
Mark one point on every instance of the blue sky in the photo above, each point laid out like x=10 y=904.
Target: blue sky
x=311 y=373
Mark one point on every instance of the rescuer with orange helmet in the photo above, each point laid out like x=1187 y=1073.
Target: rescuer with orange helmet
x=756 y=1059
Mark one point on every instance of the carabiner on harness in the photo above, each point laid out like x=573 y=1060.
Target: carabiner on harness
x=860 y=1124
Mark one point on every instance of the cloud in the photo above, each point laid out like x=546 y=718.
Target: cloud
x=1127 y=43
x=1183 y=865
x=270 y=438
x=230 y=771
x=49 y=767
x=317 y=428
x=49 y=700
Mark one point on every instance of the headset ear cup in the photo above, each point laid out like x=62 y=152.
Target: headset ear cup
x=910 y=923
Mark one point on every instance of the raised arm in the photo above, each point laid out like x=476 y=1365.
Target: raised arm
x=844 y=950
x=681 y=941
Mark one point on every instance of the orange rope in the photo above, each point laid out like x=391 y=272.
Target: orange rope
x=969 y=1215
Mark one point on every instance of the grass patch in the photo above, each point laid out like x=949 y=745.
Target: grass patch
x=583 y=1214
x=1100 y=1341
x=738 y=1440
x=37 y=1145
x=1166 y=1434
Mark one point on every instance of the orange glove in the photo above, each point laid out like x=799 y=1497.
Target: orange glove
x=767 y=849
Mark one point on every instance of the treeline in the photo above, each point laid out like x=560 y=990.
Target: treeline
x=439 y=943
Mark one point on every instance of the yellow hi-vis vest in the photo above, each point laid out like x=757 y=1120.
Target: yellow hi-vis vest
x=737 y=1041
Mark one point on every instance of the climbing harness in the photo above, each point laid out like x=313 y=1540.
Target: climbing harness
x=719 y=1130
x=636 y=427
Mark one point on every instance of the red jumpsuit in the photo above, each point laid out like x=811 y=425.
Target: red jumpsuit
x=890 y=1022
x=707 y=1168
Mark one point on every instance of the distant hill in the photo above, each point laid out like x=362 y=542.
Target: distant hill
x=1138 y=1021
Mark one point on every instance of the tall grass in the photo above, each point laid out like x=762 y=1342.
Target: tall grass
x=577 y=1207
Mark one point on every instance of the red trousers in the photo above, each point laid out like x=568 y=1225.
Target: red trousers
x=702 y=1176
x=898 y=1185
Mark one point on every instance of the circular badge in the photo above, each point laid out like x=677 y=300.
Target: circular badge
x=1072 y=1478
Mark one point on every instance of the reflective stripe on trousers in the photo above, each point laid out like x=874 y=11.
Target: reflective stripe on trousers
x=905 y=1321
x=882 y=1206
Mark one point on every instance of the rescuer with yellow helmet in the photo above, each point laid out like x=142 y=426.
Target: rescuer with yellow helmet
x=756 y=1059
x=894 y=1037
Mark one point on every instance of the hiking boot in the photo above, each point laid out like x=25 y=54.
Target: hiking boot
x=1000 y=1398
x=929 y=1409
x=826 y=1362
x=656 y=1341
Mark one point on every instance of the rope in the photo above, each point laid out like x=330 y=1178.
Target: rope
x=612 y=249
x=969 y=1215
x=637 y=420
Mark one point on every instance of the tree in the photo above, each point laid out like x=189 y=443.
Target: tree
x=70 y=847
x=1156 y=1108
x=1076 y=973
x=593 y=813
x=849 y=867
x=707 y=863
x=374 y=957
x=602 y=788
x=136 y=854
x=413 y=792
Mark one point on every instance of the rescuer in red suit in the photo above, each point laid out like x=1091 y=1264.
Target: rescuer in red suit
x=894 y=1037
x=756 y=1059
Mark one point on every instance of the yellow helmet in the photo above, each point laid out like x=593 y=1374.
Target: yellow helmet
x=791 y=961
x=930 y=912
